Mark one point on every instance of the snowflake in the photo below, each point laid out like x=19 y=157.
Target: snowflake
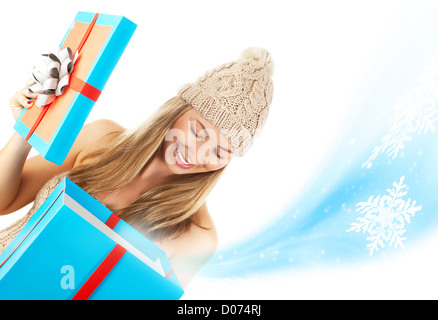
x=415 y=113
x=385 y=217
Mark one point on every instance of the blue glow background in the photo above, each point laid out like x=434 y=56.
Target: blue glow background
x=341 y=66
x=312 y=231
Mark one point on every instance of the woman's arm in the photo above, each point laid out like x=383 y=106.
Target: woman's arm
x=21 y=179
x=12 y=159
x=13 y=156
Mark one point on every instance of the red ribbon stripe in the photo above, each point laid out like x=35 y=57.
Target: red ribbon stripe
x=104 y=268
x=100 y=273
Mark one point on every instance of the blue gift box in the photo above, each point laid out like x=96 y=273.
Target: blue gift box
x=73 y=247
x=101 y=39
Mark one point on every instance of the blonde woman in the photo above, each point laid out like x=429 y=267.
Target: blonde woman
x=158 y=176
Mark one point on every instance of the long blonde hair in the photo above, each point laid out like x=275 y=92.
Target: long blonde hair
x=164 y=211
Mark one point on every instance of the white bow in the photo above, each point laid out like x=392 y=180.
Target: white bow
x=52 y=75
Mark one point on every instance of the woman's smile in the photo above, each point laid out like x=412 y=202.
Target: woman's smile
x=180 y=160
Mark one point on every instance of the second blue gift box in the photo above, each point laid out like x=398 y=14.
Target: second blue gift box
x=75 y=248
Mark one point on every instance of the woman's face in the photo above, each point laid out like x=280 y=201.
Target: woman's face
x=195 y=145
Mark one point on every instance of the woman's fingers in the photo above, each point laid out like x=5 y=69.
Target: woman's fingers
x=26 y=91
x=22 y=99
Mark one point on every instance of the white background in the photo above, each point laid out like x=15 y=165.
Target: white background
x=321 y=51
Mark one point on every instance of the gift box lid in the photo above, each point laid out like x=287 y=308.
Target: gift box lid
x=52 y=130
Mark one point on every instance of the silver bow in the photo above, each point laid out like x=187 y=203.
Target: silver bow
x=52 y=75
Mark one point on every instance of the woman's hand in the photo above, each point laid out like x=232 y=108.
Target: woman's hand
x=21 y=100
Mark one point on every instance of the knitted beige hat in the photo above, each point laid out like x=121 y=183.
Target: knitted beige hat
x=235 y=97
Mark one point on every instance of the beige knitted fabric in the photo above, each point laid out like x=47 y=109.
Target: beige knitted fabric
x=235 y=97
x=9 y=233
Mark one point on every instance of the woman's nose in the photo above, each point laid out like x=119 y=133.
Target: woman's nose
x=204 y=150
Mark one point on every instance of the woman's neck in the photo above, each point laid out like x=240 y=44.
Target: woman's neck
x=156 y=173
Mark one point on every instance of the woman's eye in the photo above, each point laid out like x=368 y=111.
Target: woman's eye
x=218 y=155
x=197 y=135
x=194 y=132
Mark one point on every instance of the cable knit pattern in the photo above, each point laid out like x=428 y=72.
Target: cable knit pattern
x=235 y=97
x=9 y=233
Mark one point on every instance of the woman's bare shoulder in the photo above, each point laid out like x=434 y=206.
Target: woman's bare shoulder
x=191 y=250
x=205 y=230
x=95 y=134
x=99 y=128
x=200 y=240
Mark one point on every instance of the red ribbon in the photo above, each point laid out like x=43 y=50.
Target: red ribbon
x=87 y=33
x=105 y=266
x=112 y=220
x=84 y=88
x=76 y=84
x=100 y=273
